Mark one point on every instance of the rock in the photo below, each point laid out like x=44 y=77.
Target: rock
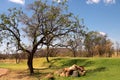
x=69 y=73
x=73 y=67
x=66 y=69
x=82 y=71
x=63 y=74
x=75 y=74
x=50 y=76
x=58 y=72
x=81 y=68
x=74 y=70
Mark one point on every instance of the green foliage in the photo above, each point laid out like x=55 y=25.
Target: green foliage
x=98 y=44
x=44 y=24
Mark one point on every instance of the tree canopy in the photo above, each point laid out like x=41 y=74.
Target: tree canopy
x=44 y=24
x=97 y=44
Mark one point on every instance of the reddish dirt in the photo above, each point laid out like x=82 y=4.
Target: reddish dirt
x=3 y=71
x=6 y=74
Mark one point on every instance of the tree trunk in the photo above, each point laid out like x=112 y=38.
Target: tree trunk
x=47 y=54
x=74 y=53
x=47 y=58
x=30 y=63
x=17 y=58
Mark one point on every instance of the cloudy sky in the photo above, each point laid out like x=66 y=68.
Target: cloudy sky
x=18 y=1
x=99 y=15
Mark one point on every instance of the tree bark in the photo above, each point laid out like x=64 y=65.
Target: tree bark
x=74 y=53
x=47 y=58
x=30 y=63
x=47 y=54
x=17 y=57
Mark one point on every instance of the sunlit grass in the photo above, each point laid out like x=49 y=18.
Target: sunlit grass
x=11 y=64
x=97 y=68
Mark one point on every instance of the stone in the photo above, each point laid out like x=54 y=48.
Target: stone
x=82 y=73
x=73 y=70
x=58 y=72
x=81 y=68
x=69 y=73
x=73 y=67
x=50 y=76
x=75 y=74
x=63 y=74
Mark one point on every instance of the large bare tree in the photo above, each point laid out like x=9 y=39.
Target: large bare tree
x=44 y=24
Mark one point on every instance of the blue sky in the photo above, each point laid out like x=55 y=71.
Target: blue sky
x=98 y=15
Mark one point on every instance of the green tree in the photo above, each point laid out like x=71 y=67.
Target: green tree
x=75 y=41
x=44 y=24
x=109 y=48
x=89 y=42
x=1 y=36
x=117 y=48
x=97 y=44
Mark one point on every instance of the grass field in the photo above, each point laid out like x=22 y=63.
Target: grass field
x=97 y=68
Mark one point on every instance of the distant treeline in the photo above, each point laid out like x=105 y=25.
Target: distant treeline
x=58 y=52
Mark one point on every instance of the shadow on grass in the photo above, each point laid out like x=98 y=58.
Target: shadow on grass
x=88 y=63
x=56 y=59
x=40 y=73
x=80 y=62
x=99 y=69
x=35 y=69
x=52 y=63
x=65 y=62
x=20 y=74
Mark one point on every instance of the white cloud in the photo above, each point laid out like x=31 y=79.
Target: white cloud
x=57 y=1
x=98 y=1
x=102 y=33
x=18 y=1
x=109 y=1
x=92 y=1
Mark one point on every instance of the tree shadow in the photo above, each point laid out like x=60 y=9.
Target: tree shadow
x=37 y=69
x=88 y=63
x=74 y=61
x=69 y=62
x=52 y=63
x=99 y=69
x=56 y=59
x=38 y=73
x=21 y=74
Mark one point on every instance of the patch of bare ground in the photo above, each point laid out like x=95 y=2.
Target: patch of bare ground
x=40 y=73
x=17 y=75
x=3 y=72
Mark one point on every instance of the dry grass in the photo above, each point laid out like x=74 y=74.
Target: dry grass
x=21 y=72
x=17 y=75
x=97 y=68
